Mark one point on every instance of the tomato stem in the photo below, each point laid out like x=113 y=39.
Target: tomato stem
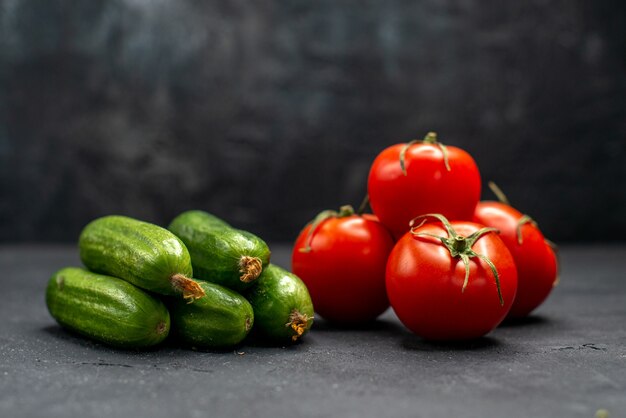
x=363 y=205
x=344 y=212
x=459 y=243
x=499 y=193
x=460 y=246
x=430 y=138
x=522 y=221
x=403 y=155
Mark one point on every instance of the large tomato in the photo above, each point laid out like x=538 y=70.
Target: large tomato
x=435 y=179
x=341 y=257
x=535 y=260
x=440 y=282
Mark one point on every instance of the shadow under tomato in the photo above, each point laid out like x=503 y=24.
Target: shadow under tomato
x=527 y=321
x=413 y=342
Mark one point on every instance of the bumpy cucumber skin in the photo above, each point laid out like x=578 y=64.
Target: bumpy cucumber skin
x=222 y=318
x=274 y=298
x=142 y=253
x=216 y=248
x=106 y=309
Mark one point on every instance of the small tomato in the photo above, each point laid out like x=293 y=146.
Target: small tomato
x=408 y=180
x=341 y=257
x=535 y=260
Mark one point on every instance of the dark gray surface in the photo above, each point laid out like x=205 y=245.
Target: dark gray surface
x=568 y=360
x=268 y=112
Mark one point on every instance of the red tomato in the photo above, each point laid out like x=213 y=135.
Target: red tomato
x=371 y=217
x=536 y=262
x=425 y=283
x=427 y=187
x=345 y=267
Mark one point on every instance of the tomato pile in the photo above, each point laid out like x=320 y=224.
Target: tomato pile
x=451 y=266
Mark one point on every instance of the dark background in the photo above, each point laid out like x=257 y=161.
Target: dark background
x=268 y=112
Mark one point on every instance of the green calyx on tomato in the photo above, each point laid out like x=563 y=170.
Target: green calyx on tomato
x=499 y=193
x=460 y=246
x=430 y=138
x=344 y=211
x=364 y=204
x=522 y=221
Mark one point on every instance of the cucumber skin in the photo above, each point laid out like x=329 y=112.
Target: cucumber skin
x=276 y=294
x=106 y=309
x=216 y=248
x=142 y=253
x=220 y=319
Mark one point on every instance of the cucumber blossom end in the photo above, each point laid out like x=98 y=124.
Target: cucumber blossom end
x=162 y=328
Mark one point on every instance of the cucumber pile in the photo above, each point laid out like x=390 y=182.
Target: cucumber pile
x=210 y=284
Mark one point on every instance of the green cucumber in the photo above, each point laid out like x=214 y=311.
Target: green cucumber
x=222 y=318
x=106 y=309
x=282 y=306
x=142 y=253
x=220 y=253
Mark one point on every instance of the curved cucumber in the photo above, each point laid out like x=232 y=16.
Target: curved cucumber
x=282 y=305
x=144 y=254
x=106 y=309
x=220 y=253
x=221 y=318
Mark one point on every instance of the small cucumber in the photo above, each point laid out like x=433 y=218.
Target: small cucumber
x=220 y=253
x=222 y=318
x=106 y=309
x=142 y=253
x=282 y=305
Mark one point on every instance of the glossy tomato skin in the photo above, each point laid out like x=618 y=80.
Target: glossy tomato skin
x=345 y=269
x=535 y=260
x=424 y=285
x=428 y=186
